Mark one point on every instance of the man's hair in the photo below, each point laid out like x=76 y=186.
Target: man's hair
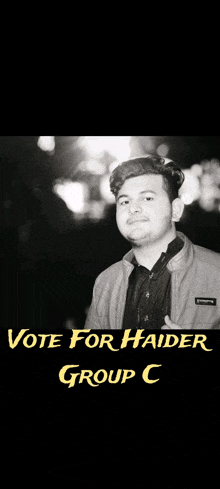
x=173 y=177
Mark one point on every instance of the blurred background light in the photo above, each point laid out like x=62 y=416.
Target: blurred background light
x=89 y=195
x=141 y=145
x=202 y=184
x=196 y=170
x=208 y=199
x=105 y=191
x=163 y=150
x=118 y=146
x=92 y=166
x=46 y=143
x=210 y=185
x=72 y=193
x=190 y=190
x=112 y=166
x=96 y=210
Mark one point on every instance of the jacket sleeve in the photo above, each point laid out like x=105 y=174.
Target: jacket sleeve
x=92 y=320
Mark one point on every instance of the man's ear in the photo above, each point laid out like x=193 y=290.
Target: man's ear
x=177 y=209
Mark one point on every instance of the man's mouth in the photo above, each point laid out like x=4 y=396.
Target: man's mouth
x=133 y=221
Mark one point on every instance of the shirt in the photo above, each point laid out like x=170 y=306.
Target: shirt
x=148 y=298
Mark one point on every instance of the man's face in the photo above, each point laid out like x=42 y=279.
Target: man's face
x=143 y=210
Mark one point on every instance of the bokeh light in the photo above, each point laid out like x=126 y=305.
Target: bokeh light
x=197 y=170
x=89 y=195
x=92 y=166
x=202 y=184
x=210 y=185
x=190 y=190
x=118 y=146
x=163 y=150
x=46 y=143
x=105 y=191
x=72 y=193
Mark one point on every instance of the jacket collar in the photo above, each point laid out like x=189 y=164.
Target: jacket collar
x=181 y=260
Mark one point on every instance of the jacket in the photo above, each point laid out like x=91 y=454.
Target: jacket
x=195 y=290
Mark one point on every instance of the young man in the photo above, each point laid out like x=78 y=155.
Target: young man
x=165 y=281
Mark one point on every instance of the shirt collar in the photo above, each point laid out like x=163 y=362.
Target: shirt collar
x=181 y=260
x=173 y=247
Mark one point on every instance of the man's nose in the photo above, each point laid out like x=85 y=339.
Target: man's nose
x=135 y=207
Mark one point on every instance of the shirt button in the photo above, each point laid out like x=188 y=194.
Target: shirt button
x=151 y=275
x=146 y=318
x=147 y=295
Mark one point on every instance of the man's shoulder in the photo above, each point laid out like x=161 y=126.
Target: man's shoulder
x=117 y=269
x=207 y=256
x=111 y=272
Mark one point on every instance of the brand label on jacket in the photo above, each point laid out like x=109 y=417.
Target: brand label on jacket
x=205 y=301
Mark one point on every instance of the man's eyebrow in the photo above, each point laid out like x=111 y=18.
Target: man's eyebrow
x=147 y=191
x=140 y=193
x=120 y=197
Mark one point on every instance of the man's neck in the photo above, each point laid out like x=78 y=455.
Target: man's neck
x=148 y=255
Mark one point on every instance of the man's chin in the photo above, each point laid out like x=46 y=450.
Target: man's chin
x=138 y=242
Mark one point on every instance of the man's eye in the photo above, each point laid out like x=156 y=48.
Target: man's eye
x=148 y=198
x=123 y=202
